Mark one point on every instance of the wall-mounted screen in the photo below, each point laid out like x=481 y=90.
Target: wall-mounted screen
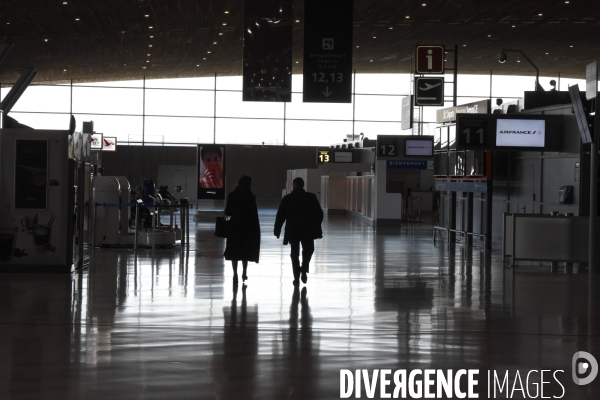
x=419 y=148
x=521 y=132
x=96 y=141
x=211 y=171
x=110 y=144
x=343 y=156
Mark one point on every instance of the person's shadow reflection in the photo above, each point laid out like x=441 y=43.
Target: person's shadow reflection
x=234 y=364
x=301 y=350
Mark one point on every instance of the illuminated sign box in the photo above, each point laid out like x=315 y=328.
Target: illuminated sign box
x=418 y=148
x=343 y=157
x=110 y=144
x=521 y=133
x=96 y=141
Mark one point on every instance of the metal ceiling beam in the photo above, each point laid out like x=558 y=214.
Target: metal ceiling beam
x=17 y=90
x=4 y=49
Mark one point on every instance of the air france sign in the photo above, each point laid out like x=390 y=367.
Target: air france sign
x=520 y=133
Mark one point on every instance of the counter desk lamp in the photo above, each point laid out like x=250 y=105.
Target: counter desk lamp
x=502 y=57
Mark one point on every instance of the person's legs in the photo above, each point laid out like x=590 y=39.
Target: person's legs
x=295 y=256
x=245 y=266
x=308 y=248
x=234 y=265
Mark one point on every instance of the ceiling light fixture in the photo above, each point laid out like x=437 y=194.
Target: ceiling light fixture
x=408 y=16
x=148 y=55
x=45 y=40
x=150 y=27
x=357 y=47
x=371 y=60
x=214 y=42
x=424 y=5
x=197 y=65
x=539 y=15
x=144 y=67
x=297 y=20
x=204 y=58
x=64 y=3
x=391 y=27
x=76 y=19
x=374 y=37
x=513 y=26
x=224 y=24
x=226 y=12
x=571 y=46
x=297 y=62
x=220 y=33
x=146 y=15
x=489 y=35
x=151 y=37
x=208 y=52
x=147 y=60
x=149 y=45
x=65 y=70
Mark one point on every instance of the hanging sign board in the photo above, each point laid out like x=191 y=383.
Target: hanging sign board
x=327 y=72
x=429 y=91
x=406 y=118
x=591 y=80
x=472 y=131
x=429 y=59
x=449 y=114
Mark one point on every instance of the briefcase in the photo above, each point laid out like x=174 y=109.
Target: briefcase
x=221 y=227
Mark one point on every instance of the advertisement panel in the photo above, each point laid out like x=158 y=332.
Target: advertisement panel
x=211 y=171
x=521 y=133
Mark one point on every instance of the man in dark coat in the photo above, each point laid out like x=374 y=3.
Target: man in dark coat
x=302 y=213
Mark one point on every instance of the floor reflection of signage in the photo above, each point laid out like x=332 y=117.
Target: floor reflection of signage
x=31 y=174
x=324 y=157
x=473 y=131
x=429 y=59
x=429 y=91
x=327 y=72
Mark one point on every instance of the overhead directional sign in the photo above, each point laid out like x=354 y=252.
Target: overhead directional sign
x=429 y=59
x=327 y=75
x=429 y=91
x=472 y=131
x=406 y=116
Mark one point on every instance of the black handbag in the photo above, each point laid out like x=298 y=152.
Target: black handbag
x=221 y=227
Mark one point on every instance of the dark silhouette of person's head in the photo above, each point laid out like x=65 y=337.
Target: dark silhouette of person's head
x=298 y=183
x=244 y=183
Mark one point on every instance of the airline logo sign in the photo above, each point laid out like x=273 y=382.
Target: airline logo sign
x=520 y=133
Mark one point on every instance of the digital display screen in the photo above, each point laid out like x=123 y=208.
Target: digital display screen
x=521 y=133
x=416 y=147
x=211 y=171
x=110 y=144
x=343 y=156
x=96 y=141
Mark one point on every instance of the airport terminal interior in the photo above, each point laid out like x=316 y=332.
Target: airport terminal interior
x=452 y=147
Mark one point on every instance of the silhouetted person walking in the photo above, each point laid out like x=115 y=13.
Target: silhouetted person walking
x=302 y=214
x=243 y=231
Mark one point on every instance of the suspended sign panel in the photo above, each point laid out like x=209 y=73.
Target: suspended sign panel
x=327 y=72
x=267 y=69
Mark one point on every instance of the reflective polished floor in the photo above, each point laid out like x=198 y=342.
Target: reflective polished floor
x=170 y=324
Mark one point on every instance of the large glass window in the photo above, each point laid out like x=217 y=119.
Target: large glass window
x=230 y=104
x=316 y=133
x=125 y=128
x=249 y=131
x=48 y=99
x=101 y=100
x=178 y=130
x=199 y=103
x=182 y=111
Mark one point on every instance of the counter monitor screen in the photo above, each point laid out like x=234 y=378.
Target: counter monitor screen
x=110 y=144
x=521 y=133
x=419 y=148
x=343 y=157
x=96 y=141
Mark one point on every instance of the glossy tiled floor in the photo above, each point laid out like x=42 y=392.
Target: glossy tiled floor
x=172 y=326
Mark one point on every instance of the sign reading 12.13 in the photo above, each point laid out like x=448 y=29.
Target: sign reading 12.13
x=327 y=71
x=324 y=157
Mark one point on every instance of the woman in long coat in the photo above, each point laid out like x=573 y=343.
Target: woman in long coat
x=243 y=231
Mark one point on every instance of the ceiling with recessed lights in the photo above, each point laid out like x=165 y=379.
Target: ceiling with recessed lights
x=84 y=40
